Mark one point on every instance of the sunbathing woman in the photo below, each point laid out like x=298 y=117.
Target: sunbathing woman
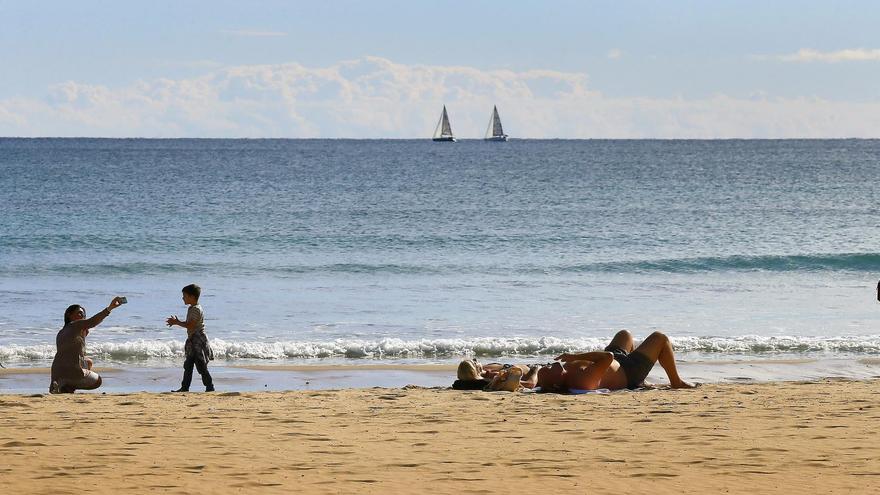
x=473 y=375
x=619 y=366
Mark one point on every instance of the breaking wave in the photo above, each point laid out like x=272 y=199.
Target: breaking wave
x=390 y=348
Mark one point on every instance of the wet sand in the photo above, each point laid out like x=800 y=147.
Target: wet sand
x=261 y=377
x=721 y=438
x=278 y=378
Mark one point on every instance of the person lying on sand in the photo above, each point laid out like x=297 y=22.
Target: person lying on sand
x=473 y=375
x=472 y=369
x=619 y=366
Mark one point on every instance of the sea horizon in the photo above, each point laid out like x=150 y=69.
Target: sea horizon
x=428 y=138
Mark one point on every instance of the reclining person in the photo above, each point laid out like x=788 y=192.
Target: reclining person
x=472 y=375
x=618 y=367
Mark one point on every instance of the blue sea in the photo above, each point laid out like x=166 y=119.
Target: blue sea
x=409 y=251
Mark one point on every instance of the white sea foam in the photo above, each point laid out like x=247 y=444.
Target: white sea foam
x=393 y=348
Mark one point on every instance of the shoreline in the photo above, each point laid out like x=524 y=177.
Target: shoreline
x=279 y=377
x=730 y=438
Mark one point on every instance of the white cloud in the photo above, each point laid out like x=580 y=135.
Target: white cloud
x=810 y=55
x=253 y=33
x=614 y=54
x=376 y=98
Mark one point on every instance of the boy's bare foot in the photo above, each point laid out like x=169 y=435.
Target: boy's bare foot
x=181 y=390
x=684 y=384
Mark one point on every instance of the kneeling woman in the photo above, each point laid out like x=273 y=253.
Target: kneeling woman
x=71 y=370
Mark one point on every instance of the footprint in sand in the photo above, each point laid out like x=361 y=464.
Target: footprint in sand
x=23 y=444
x=653 y=475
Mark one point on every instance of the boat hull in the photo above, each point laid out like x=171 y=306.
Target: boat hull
x=497 y=138
x=444 y=139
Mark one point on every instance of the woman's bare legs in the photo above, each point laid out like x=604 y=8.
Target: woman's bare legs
x=623 y=340
x=658 y=349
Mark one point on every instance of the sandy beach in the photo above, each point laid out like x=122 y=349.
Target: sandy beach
x=721 y=438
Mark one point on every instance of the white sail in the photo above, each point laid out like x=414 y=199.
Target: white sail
x=495 y=132
x=443 y=130
x=491 y=125
x=447 y=129
x=494 y=129
x=439 y=126
x=496 y=123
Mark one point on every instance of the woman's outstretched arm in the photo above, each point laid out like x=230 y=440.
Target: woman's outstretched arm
x=97 y=318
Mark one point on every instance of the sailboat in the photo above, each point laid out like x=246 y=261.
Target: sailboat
x=443 y=132
x=495 y=132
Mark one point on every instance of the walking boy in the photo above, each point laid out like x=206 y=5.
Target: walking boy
x=197 y=350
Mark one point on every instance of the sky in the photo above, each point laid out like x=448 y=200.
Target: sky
x=384 y=69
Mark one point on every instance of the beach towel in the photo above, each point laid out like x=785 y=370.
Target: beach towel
x=575 y=391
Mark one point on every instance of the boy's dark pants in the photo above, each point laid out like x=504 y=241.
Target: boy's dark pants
x=202 y=367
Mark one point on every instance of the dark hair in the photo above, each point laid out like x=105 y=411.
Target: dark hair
x=193 y=290
x=70 y=309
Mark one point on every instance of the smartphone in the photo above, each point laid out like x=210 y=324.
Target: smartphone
x=123 y=300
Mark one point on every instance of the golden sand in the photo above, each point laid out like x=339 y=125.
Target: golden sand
x=744 y=438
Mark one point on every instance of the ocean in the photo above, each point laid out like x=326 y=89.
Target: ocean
x=414 y=252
